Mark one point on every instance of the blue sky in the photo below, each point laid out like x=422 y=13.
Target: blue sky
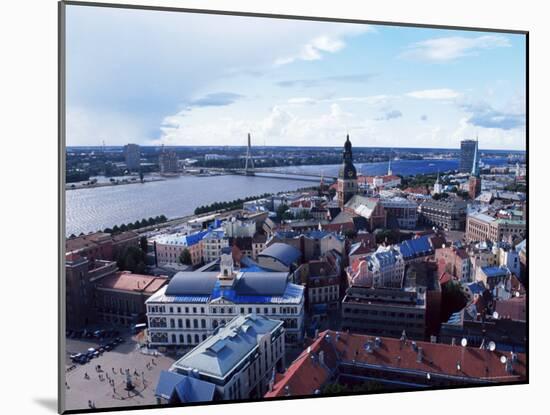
x=152 y=77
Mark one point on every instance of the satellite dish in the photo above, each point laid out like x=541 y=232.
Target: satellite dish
x=492 y=346
x=503 y=360
x=464 y=342
x=495 y=315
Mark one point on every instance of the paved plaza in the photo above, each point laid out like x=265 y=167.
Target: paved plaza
x=106 y=386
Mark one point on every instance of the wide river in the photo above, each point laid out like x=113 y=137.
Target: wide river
x=89 y=210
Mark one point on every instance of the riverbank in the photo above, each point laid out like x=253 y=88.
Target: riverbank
x=93 y=185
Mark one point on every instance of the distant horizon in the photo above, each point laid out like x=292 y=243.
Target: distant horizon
x=288 y=146
x=177 y=78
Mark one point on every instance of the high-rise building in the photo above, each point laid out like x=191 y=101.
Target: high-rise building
x=168 y=162
x=132 y=156
x=467 y=150
x=347 y=176
x=474 y=183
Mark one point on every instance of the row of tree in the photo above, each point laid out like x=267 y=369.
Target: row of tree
x=233 y=204
x=138 y=224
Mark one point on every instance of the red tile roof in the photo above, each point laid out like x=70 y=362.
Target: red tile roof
x=306 y=374
x=514 y=308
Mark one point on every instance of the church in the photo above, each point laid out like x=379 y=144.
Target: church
x=347 y=176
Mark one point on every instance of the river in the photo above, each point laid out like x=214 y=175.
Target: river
x=89 y=210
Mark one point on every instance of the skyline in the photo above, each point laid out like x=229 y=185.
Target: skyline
x=288 y=82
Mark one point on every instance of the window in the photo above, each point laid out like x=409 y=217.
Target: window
x=197 y=339
x=203 y=323
x=187 y=323
x=173 y=338
x=180 y=323
x=172 y=324
x=195 y=323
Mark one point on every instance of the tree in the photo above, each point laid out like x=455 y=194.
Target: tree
x=143 y=244
x=287 y=215
x=350 y=233
x=132 y=259
x=452 y=299
x=185 y=257
x=281 y=209
x=438 y=196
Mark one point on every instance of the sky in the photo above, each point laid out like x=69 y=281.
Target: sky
x=155 y=77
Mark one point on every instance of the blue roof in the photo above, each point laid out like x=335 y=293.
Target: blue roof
x=166 y=384
x=192 y=283
x=250 y=287
x=186 y=388
x=412 y=248
x=195 y=238
x=492 y=272
x=284 y=253
x=476 y=287
x=195 y=390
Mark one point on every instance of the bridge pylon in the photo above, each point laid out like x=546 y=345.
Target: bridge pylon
x=249 y=161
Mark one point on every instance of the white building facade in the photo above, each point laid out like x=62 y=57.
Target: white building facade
x=194 y=304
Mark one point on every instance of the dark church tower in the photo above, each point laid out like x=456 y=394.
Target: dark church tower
x=347 y=176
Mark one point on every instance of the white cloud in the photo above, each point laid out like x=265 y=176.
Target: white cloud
x=313 y=50
x=443 y=93
x=276 y=123
x=302 y=100
x=326 y=43
x=445 y=49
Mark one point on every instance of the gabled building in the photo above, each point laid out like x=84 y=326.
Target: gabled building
x=369 y=208
x=384 y=268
